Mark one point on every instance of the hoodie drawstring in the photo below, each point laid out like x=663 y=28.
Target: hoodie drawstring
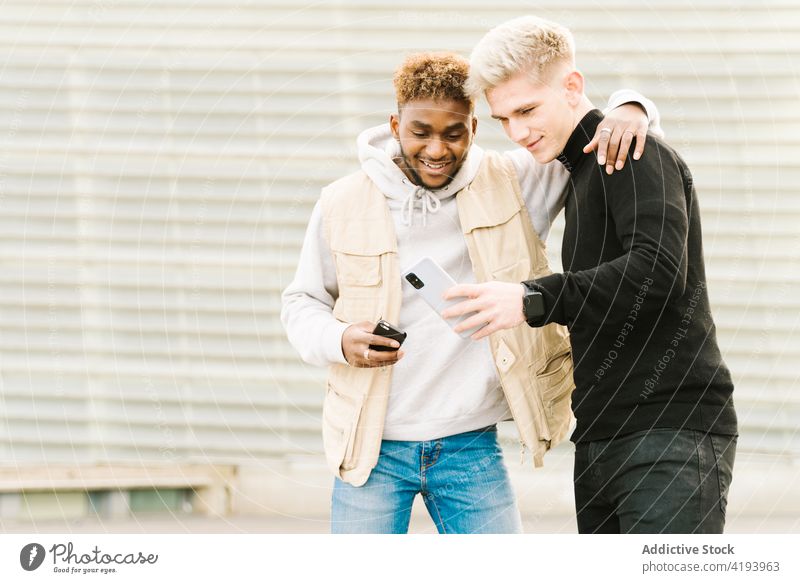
x=428 y=201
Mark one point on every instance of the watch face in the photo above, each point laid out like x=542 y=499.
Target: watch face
x=534 y=304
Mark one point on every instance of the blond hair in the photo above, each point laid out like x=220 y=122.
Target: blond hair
x=527 y=43
x=438 y=76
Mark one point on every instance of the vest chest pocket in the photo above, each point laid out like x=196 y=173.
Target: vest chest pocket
x=358 y=271
x=360 y=280
x=358 y=247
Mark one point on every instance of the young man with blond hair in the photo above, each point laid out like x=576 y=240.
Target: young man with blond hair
x=656 y=427
x=422 y=420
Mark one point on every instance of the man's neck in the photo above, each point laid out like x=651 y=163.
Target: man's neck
x=572 y=154
x=584 y=107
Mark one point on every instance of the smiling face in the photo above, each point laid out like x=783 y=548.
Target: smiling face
x=435 y=137
x=539 y=116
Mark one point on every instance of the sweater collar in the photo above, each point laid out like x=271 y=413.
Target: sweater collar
x=581 y=135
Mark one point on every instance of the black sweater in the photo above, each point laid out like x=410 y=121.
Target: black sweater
x=634 y=296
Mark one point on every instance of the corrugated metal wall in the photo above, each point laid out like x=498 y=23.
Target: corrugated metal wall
x=158 y=162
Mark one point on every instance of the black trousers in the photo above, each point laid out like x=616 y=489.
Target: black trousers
x=657 y=481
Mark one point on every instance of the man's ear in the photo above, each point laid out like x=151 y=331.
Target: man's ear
x=394 y=124
x=573 y=85
x=474 y=125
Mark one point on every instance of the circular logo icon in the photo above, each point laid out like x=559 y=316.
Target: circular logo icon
x=31 y=556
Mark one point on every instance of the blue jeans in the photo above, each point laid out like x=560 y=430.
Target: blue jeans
x=462 y=479
x=657 y=481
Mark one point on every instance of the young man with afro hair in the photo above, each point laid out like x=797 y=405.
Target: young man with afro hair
x=422 y=419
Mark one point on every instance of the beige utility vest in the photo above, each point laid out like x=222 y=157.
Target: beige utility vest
x=534 y=364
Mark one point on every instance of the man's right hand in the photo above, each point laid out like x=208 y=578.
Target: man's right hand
x=355 y=347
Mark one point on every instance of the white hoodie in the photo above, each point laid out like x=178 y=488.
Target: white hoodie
x=444 y=385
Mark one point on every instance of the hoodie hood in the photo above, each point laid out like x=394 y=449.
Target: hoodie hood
x=377 y=151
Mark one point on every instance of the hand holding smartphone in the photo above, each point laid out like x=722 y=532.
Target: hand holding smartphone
x=431 y=281
x=364 y=344
x=385 y=329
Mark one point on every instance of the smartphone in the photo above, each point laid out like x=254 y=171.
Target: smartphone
x=384 y=328
x=430 y=281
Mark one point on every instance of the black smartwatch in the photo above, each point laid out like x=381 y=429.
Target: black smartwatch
x=532 y=306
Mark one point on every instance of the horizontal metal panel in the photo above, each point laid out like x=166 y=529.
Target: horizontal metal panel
x=159 y=166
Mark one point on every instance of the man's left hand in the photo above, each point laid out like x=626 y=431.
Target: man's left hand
x=615 y=134
x=497 y=304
